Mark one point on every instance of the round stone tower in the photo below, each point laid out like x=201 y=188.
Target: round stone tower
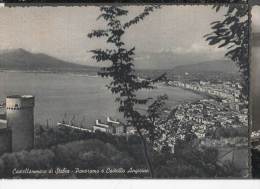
x=20 y=120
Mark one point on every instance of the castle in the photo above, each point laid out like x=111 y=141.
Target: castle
x=17 y=124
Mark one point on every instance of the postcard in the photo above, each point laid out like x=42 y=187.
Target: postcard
x=124 y=91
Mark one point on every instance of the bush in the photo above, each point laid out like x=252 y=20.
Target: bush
x=102 y=150
x=35 y=160
x=230 y=132
x=91 y=154
x=50 y=136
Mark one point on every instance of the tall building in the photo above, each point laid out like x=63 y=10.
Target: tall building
x=20 y=120
x=17 y=125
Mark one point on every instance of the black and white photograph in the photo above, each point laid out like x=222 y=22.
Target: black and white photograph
x=124 y=91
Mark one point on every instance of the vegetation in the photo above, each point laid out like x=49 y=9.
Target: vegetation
x=233 y=33
x=103 y=151
x=125 y=83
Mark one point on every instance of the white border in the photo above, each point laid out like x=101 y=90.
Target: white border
x=130 y=184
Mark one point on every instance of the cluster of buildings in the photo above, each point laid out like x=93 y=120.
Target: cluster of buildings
x=209 y=114
x=227 y=111
x=199 y=119
x=111 y=126
x=227 y=90
x=222 y=109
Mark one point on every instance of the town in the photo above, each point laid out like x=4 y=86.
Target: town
x=219 y=120
x=222 y=107
x=228 y=91
x=221 y=110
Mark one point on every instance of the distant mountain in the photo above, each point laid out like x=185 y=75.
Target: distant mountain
x=223 y=66
x=167 y=59
x=22 y=60
x=208 y=71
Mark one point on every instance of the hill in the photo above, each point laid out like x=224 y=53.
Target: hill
x=209 y=71
x=223 y=66
x=22 y=60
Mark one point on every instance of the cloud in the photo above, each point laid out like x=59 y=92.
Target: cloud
x=169 y=33
x=195 y=48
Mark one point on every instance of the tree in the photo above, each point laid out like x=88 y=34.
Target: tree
x=155 y=111
x=125 y=83
x=34 y=160
x=233 y=33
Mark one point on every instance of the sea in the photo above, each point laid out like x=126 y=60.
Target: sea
x=81 y=98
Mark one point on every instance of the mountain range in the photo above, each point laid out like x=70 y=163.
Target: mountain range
x=23 y=60
x=224 y=66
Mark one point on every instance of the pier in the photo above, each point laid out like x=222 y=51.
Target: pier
x=73 y=127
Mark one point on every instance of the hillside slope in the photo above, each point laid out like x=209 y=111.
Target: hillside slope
x=20 y=59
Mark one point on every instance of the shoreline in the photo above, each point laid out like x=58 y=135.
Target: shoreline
x=204 y=95
x=161 y=88
x=49 y=72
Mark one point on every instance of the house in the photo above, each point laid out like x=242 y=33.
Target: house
x=101 y=127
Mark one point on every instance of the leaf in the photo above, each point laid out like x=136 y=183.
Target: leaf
x=214 y=41
x=232 y=32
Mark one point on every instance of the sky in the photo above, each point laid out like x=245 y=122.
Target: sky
x=174 y=31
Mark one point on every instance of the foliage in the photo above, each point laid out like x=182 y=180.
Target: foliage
x=230 y=132
x=102 y=150
x=51 y=136
x=233 y=33
x=91 y=154
x=154 y=114
x=83 y=154
x=191 y=161
x=35 y=159
x=48 y=136
x=125 y=82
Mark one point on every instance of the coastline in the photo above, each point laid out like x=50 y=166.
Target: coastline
x=204 y=95
x=74 y=93
x=83 y=74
